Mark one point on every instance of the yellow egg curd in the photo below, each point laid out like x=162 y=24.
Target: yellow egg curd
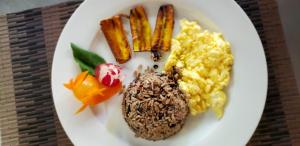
x=204 y=61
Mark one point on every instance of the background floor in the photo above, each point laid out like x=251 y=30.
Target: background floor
x=289 y=11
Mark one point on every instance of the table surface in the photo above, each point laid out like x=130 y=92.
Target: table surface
x=282 y=94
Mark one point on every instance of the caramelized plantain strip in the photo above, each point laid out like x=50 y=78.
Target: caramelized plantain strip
x=146 y=28
x=134 y=26
x=163 y=29
x=115 y=35
x=168 y=27
x=121 y=39
x=156 y=39
x=140 y=29
x=107 y=27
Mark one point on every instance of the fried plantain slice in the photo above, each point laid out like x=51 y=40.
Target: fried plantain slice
x=134 y=26
x=116 y=38
x=140 y=29
x=168 y=27
x=158 y=31
x=163 y=29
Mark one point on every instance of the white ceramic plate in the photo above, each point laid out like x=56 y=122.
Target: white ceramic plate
x=104 y=125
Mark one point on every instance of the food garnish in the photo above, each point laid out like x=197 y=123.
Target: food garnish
x=162 y=36
x=86 y=86
x=203 y=60
x=116 y=38
x=140 y=29
x=89 y=91
x=109 y=74
x=87 y=60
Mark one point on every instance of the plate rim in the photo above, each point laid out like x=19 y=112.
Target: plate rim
x=84 y=3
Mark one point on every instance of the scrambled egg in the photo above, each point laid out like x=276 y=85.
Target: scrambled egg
x=204 y=61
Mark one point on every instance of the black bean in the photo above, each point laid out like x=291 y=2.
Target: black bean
x=160 y=115
x=139 y=108
x=128 y=109
x=155 y=55
x=172 y=125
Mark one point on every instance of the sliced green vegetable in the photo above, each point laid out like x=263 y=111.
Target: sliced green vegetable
x=85 y=67
x=87 y=60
